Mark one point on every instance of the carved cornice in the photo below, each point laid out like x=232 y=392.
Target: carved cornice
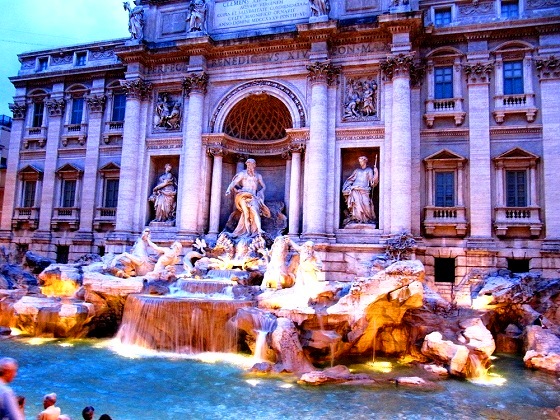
x=548 y=68
x=401 y=65
x=55 y=107
x=136 y=89
x=216 y=149
x=96 y=103
x=479 y=72
x=247 y=148
x=18 y=109
x=323 y=72
x=195 y=82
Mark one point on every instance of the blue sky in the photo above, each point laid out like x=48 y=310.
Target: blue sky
x=29 y=25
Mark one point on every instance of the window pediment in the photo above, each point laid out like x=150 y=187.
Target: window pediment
x=30 y=173
x=69 y=171
x=516 y=155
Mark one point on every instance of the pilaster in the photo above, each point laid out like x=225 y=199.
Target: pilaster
x=217 y=152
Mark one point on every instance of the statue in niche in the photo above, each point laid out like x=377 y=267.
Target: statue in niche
x=138 y=262
x=167 y=114
x=197 y=16
x=319 y=7
x=360 y=99
x=135 y=20
x=164 y=197
x=357 y=191
x=249 y=200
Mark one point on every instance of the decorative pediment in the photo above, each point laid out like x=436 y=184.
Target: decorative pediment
x=110 y=167
x=445 y=154
x=68 y=169
x=30 y=172
x=517 y=153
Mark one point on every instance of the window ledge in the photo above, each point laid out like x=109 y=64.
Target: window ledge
x=445 y=221
x=517 y=218
x=444 y=108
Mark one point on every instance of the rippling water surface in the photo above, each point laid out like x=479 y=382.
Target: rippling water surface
x=130 y=386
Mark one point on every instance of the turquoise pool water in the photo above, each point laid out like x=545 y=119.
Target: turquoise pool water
x=87 y=372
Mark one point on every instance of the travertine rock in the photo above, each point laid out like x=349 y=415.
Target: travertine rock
x=543 y=349
x=285 y=341
x=60 y=280
x=334 y=375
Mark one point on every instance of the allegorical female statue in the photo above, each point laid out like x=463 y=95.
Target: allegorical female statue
x=164 y=196
x=357 y=191
x=135 y=20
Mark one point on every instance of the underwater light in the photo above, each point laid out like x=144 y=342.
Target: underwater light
x=253 y=382
x=382 y=367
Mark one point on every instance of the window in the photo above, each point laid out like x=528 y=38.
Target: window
x=443 y=82
x=43 y=63
x=518 y=265
x=68 y=192
x=77 y=111
x=444 y=269
x=510 y=9
x=81 y=59
x=62 y=253
x=119 y=105
x=445 y=189
x=101 y=250
x=111 y=193
x=29 y=189
x=38 y=111
x=516 y=188
x=442 y=17
x=513 y=77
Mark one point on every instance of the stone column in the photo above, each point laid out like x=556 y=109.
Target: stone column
x=549 y=78
x=295 y=191
x=55 y=107
x=136 y=90
x=321 y=75
x=480 y=187
x=96 y=104
x=10 y=200
x=189 y=207
x=216 y=192
x=398 y=68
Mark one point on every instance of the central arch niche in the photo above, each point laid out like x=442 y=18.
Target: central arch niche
x=258 y=117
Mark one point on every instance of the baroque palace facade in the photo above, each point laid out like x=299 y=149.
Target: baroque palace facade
x=456 y=103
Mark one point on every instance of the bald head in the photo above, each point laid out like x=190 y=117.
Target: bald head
x=49 y=399
x=8 y=369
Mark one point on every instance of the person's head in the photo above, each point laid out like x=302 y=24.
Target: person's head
x=363 y=161
x=87 y=412
x=105 y=417
x=8 y=369
x=49 y=399
x=21 y=402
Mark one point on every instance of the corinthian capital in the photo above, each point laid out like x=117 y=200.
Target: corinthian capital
x=137 y=88
x=401 y=65
x=216 y=150
x=548 y=68
x=479 y=72
x=96 y=103
x=18 y=109
x=323 y=72
x=55 y=107
x=195 y=82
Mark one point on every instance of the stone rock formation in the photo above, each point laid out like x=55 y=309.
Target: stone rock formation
x=542 y=349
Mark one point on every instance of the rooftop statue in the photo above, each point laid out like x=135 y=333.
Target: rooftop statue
x=249 y=200
x=164 y=196
x=357 y=191
x=197 y=16
x=319 y=7
x=135 y=20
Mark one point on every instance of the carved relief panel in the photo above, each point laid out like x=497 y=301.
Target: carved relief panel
x=360 y=98
x=167 y=111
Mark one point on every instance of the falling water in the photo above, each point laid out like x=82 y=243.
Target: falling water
x=179 y=325
x=264 y=323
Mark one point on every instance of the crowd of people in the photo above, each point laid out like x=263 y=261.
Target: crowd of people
x=13 y=408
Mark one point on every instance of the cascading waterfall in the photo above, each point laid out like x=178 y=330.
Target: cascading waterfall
x=264 y=323
x=179 y=324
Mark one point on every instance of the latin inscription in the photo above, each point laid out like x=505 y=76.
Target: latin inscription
x=237 y=13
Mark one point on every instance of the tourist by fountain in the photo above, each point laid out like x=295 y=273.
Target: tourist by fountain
x=138 y=262
x=51 y=411
x=249 y=200
x=8 y=404
x=87 y=412
x=357 y=191
x=164 y=197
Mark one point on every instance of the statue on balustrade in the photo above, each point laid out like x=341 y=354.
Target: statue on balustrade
x=357 y=191
x=249 y=187
x=164 y=197
x=135 y=20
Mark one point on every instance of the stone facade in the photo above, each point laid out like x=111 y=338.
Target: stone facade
x=457 y=105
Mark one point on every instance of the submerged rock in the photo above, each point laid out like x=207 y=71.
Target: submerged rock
x=334 y=375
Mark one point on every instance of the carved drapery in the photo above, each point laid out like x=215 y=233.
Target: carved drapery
x=18 y=109
x=548 y=68
x=55 y=107
x=137 y=89
x=479 y=72
x=323 y=72
x=96 y=103
x=195 y=82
